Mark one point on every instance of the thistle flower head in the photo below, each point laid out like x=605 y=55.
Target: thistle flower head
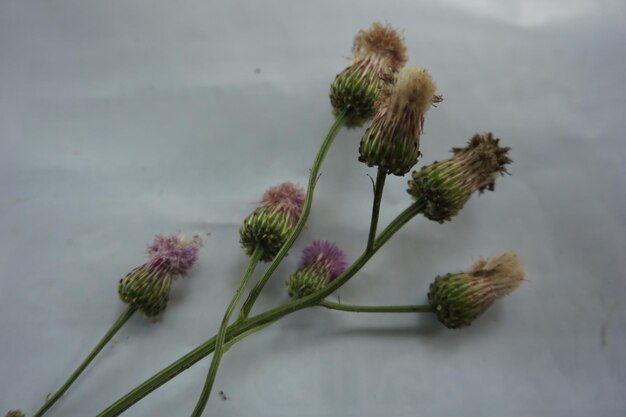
x=458 y=299
x=287 y=198
x=148 y=286
x=177 y=251
x=392 y=141
x=321 y=262
x=380 y=42
x=446 y=186
x=377 y=54
x=15 y=413
x=269 y=224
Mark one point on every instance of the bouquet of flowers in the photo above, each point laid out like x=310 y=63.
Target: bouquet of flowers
x=376 y=88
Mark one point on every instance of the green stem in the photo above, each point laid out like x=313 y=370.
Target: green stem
x=221 y=335
x=378 y=194
x=261 y=320
x=123 y=318
x=306 y=208
x=377 y=309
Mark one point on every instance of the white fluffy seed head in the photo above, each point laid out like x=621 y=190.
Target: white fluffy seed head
x=415 y=88
x=503 y=270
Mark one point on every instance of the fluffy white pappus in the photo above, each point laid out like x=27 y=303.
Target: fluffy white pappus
x=504 y=271
x=414 y=88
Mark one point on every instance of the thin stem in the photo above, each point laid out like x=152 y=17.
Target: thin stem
x=123 y=318
x=378 y=194
x=221 y=335
x=260 y=320
x=306 y=208
x=377 y=309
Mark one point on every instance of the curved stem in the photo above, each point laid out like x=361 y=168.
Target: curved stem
x=306 y=208
x=261 y=320
x=221 y=335
x=378 y=194
x=123 y=318
x=377 y=309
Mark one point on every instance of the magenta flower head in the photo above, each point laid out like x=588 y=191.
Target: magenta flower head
x=269 y=225
x=148 y=286
x=321 y=262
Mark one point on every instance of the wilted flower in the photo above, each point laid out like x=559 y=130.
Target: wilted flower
x=269 y=225
x=321 y=262
x=458 y=299
x=148 y=286
x=377 y=54
x=392 y=141
x=447 y=185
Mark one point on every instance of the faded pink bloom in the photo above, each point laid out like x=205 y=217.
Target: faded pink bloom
x=286 y=198
x=174 y=253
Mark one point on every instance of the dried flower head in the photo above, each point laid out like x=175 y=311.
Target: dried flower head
x=269 y=224
x=321 y=262
x=447 y=185
x=458 y=299
x=15 y=413
x=148 y=286
x=377 y=54
x=392 y=141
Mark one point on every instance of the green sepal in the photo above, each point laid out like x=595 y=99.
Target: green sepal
x=265 y=227
x=148 y=288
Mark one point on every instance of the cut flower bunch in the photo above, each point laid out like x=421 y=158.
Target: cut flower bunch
x=376 y=88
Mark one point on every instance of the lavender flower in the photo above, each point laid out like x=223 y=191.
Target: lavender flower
x=269 y=225
x=321 y=262
x=148 y=286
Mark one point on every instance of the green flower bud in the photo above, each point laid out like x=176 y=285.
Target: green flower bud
x=147 y=287
x=447 y=185
x=458 y=299
x=392 y=141
x=306 y=281
x=270 y=224
x=265 y=227
x=377 y=53
x=15 y=413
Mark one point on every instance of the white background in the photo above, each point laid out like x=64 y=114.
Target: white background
x=123 y=119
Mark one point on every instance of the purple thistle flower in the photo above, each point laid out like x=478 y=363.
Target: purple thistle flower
x=325 y=255
x=175 y=253
x=147 y=287
x=286 y=198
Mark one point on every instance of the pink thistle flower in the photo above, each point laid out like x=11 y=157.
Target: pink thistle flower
x=286 y=198
x=147 y=287
x=321 y=262
x=325 y=255
x=177 y=253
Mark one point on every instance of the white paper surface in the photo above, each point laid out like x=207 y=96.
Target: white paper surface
x=123 y=119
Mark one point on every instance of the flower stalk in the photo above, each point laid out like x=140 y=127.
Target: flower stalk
x=256 y=256
x=121 y=320
x=418 y=308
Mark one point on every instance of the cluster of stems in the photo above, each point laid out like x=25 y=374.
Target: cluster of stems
x=245 y=325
